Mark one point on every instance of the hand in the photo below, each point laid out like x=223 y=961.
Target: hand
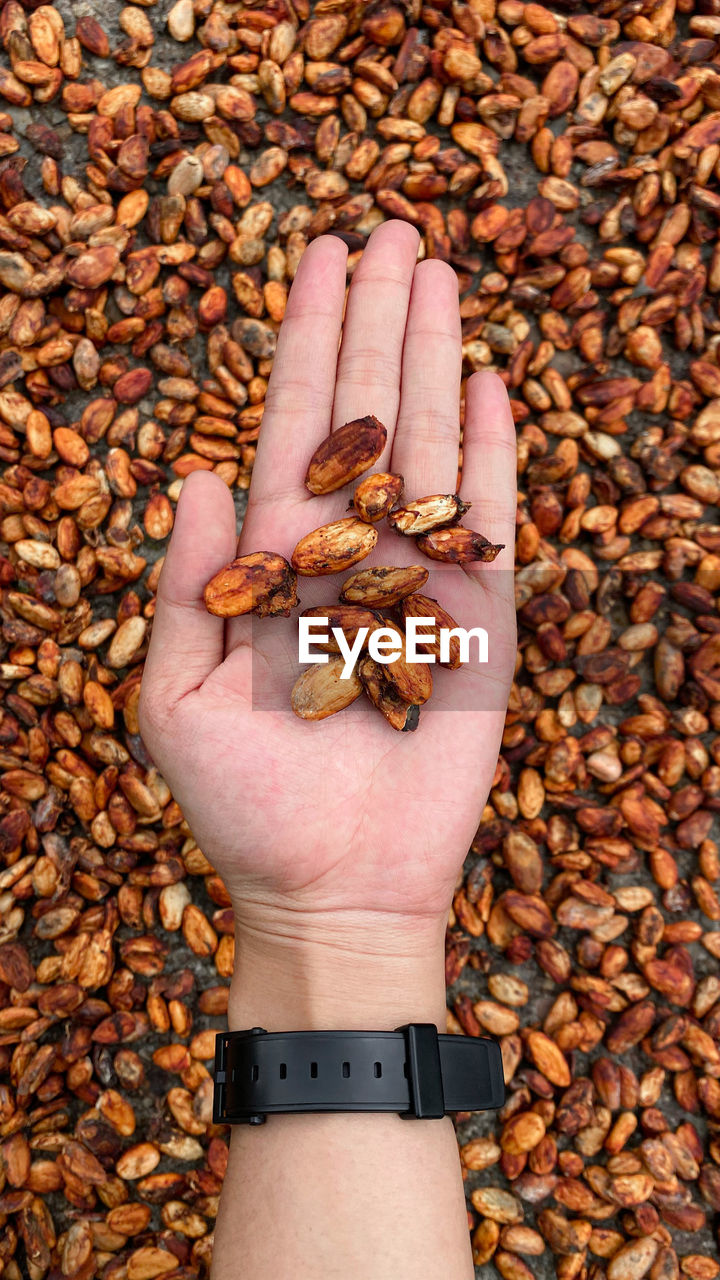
x=341 y=830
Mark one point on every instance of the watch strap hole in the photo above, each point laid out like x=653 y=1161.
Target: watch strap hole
x=313 y=1070
x=346 y=1070
x=378 y=1070
x=283 y=1070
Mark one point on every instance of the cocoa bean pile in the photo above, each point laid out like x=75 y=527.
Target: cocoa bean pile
x=265 y=584
x=160 y=178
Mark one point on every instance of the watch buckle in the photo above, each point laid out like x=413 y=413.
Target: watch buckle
x=220 y=1077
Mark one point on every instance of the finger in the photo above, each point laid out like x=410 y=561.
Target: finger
x=187 y=642
x=300 y=394
x=427 y=436
x=489 y=475
x=370 y=361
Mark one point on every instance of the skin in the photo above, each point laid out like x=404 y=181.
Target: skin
x=340 y=841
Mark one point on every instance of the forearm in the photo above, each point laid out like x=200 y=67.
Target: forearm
x=357 y=1196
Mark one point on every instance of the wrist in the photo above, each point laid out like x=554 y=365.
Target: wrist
x=336 y=971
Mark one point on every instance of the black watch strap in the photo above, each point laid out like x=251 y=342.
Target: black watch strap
x=411 y=1070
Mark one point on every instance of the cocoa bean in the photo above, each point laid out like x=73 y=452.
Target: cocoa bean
x=345 y=454
x=334 y=547
x=382 y=585
x=348 y=618
x=320 y=691
x=384 y=695
x=426 y=514
x=261 y=583
x=375 y=496
x=458 y=546
x=419 y=606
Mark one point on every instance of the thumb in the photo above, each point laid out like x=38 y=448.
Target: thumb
x=187 y=642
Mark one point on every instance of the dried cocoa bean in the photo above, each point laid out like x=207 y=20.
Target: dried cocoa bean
x=458 y=546
x=419 y=606
x=384 y=695
x=345 y=454
x=382 y=585
x=334 y=547
x=377 y=495
x=320 y=691
x=426 y=514
x=262 y=583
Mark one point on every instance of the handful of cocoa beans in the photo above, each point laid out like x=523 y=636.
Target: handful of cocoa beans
x=265 y=584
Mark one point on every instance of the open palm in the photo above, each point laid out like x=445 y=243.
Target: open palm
x=345 y=813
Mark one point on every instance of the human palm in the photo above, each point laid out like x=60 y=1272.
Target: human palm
x=344 y=813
